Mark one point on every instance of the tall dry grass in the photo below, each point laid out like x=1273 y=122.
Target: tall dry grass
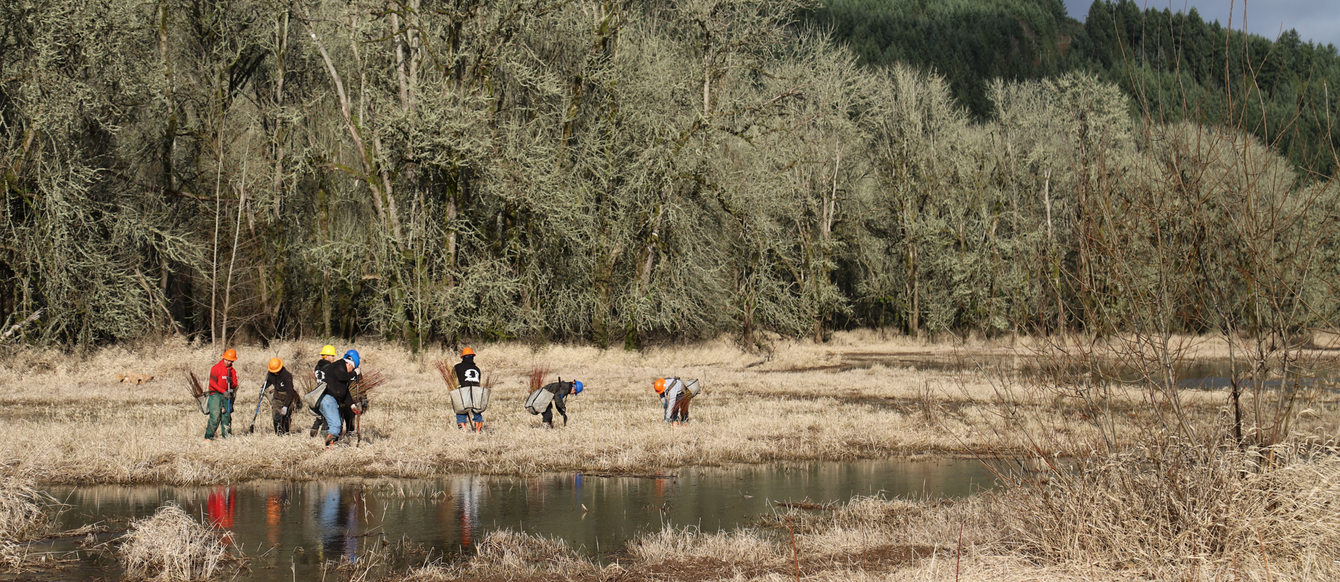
x=171 y=546
x=25 y=514
x=1185 y=513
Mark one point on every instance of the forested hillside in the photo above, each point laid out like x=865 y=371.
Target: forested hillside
x=615 y=172
x=1172 y=66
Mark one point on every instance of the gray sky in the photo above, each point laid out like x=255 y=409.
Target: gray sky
x=1315 y=20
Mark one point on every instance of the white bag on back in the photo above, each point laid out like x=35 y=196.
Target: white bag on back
x=313 y=396
x=539 y=400
x=469 y=399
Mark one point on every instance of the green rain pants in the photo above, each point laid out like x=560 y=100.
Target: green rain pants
x=220 y=416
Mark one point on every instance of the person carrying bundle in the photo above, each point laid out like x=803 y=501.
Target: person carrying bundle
x=559 y=390
x=336 y=397
x=358 y=399
x=222 y=389
x=469 y=376
x=285 y=396
x=675 y=395
x=319 y=372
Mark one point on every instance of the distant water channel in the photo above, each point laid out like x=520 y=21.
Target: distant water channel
x=288 y=530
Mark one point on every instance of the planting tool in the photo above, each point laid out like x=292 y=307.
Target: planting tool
x=259 y=400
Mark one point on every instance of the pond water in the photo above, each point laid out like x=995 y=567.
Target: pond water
x=290 y=530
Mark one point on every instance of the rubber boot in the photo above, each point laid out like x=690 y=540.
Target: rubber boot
x=330 y=439
x=460 y=425
x=479 y=427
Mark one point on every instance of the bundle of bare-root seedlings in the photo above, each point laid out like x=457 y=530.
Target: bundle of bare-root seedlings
x=448 y=375
x=537 y=375
x=197 y=390
x=366 y=383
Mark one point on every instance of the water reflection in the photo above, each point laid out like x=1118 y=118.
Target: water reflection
x=336 y=515
x=469 y=492
x=294 y=530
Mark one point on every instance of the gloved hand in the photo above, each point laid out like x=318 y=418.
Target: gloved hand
x=283 y=411
x=358 y=371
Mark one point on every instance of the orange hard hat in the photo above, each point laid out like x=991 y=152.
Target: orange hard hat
x=230 y=354
x=659 y=385
x=467 y=352
x=276 y=365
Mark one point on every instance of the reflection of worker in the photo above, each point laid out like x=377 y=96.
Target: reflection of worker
x=674 y=399
x=274 y=515
x=469 y=490
x=337 y=515
x=222 y=388
x=467 y=374
x=221 y=506
x=285 y=396
x=560 y=390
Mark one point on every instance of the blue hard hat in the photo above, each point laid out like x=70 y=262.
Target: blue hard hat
x=352 y=356
x=576 y=386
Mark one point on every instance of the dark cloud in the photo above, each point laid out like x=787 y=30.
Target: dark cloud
x=1315 y=20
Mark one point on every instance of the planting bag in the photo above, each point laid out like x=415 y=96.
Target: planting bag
x=539 y=400
x=313 y=396
x=203 y=400
x=693 y=387
x=469 y=399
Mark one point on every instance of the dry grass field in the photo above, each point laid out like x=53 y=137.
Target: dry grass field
x=66 y=419
x=1150 y=509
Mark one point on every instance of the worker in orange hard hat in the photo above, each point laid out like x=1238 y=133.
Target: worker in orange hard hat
x=285 y=395
x=674 y=399
x=222 y=390
x=468 y=374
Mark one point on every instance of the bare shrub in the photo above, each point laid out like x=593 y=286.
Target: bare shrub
x=171 y=545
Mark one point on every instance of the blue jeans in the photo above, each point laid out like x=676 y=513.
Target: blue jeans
x=330 y=410
x=464 y=418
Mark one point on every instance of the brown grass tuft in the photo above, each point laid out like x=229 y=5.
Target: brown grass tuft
x=512 y=555
x=171 y=545
x=23 y=516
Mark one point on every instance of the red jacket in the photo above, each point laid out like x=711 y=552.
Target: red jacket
x=222 y=377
